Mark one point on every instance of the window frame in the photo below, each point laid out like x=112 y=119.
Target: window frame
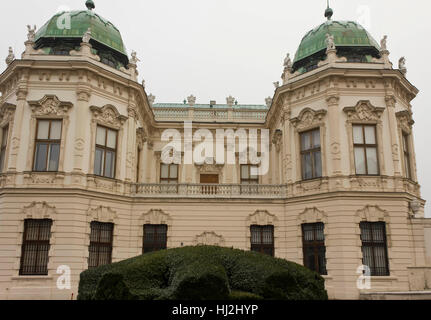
x=315 y=245
x=168 y=180
x=261 y=246
x=105 y=149
x=311 y=152
x=3 y=148
x=365 y=146
x=39 y=243
x=249 y=179
x=49 y=142
x=407 y=155
x=98 y=244
x=155 y=246
x=372 y=244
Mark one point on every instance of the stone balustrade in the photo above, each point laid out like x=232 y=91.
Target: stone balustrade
x=210 y=191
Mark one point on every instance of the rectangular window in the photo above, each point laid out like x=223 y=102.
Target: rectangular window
x=406 y=151
x=311 y=156
x=100 y=250
x=3 y=146
x=365 y=148
x=47 y=150
x=246 y=175
x=262 y=239
x=374 y=247
x=35 y=247
x=155 y=237
x=313 y=242
x=106 y=152
x=169 y=173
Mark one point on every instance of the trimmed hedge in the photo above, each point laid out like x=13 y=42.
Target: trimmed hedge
x=202 y=273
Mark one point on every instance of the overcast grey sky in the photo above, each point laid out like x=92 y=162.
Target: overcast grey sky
x=217 y=48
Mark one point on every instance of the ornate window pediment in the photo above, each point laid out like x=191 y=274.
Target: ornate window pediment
x=405 y=120
x=7 y=112
x=372 y=214
x=364 y=111
x=50 y=105
x=308 y=118
x=312 y=215
x=262 y=218
x=108 y=115
x=209 y=239
x=39 y=210
x=155 y=216
x=102 y=214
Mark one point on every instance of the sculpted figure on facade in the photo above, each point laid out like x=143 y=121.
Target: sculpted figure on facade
x=383 y=43
x=330 y=42
x=402 y=65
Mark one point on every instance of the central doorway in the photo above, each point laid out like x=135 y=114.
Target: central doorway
x=211 y=181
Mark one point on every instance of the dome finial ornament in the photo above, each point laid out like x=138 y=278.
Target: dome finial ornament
x=328 y=12
x=90 y=4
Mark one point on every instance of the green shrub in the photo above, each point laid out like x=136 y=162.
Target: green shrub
x=202 y=273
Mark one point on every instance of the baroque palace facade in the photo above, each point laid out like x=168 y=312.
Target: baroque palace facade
x=82 y=183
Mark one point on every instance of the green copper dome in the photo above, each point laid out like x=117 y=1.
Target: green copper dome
x=349 y=37
x=64 y=32
x=102 y=30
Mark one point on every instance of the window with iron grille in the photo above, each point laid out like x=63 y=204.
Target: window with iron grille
x=313 y=243
x=365 y=148
x=374 y=247
x=155 y=237
x=3 y=146
x=106 y=152
x=35 y=247
x=262 y=239
x=100 y=250
x=311 y=155
x=47 y=149
x=406 y=151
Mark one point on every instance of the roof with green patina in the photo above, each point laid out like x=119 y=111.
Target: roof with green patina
x=345 y=33
x=102 y=30
x=208 y=106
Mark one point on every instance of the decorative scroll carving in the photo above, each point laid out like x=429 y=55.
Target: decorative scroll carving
x=7 y=112
x=108 y=115
x=102 y=214
x=308 y=118
x=50 y=105
x=209 y=239
x=312 y=215
x=39 y=210
x=364 y=110
x=262 y=217
x=141 y=137
x=277 y=139
x=155 y=216
x=372 y=214
x=405 y=120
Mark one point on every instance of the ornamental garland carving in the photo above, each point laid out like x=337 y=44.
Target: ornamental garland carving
x=372 y=214
x=108 y=115
x=50 y=105
x=209 y=239
x=141 y=137
x=364 y=111
x=308 y=118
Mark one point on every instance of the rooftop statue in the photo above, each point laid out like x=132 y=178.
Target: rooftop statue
x=402 y=65
x=87 y=36
x=383 y=43
x=134 y=59
x=31 y=33
x=330 y=42
x=11 y=57
x=288 y=62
